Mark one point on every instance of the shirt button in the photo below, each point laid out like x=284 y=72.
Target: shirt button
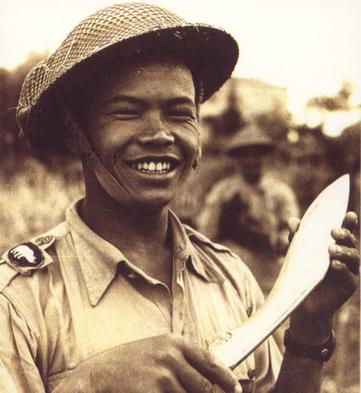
x=228 y=336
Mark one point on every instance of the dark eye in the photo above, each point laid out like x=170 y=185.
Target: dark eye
x=123 y=113
x=181 y=114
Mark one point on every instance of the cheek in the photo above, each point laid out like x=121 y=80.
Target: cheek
x=189 y=140
x=107 y=140
x=190 y=147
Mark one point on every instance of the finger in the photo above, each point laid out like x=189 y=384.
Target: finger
x=346 y=255
x=343 y=279
x=212 y=368
x=350 y=221
x=344 y=237
x=173 y=386
x=193 y=381
x=293 y=224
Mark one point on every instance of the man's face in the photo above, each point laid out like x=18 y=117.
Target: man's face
x=250 y=164
x=144 y=127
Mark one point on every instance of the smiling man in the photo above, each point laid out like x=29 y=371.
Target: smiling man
x=146 y=135
x=122 y=297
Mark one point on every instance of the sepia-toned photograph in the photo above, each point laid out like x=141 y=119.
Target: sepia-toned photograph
x=180 y=196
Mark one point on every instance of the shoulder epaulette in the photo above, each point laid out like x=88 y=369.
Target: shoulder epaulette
x=29 y=256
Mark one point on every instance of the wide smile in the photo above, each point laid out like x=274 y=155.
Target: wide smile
x=154 y=166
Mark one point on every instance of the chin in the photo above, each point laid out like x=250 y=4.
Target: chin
x=154 y=201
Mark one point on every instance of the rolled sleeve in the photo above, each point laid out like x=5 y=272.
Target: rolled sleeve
x=18 y=348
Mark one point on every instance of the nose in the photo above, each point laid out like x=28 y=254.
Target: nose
x=159 y=137
x=156 y=132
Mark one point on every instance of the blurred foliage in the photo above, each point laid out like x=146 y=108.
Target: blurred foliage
x=10 y=86
x=35 y=190
x=337 y=102
x=33 y=198
x=231 y=120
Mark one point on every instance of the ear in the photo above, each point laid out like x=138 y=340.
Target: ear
x=198 y=156
x=74 y=137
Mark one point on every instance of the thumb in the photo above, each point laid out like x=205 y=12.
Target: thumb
x=293 y=223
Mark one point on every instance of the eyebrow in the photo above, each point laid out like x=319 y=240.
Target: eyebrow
x=134 y=100
x=123 y=98
x=180 y=100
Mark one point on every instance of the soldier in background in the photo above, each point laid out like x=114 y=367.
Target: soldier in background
x=249 y=209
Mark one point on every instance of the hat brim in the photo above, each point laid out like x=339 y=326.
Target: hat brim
x=211 y=53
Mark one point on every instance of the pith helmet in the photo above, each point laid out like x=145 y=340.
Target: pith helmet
x=250 y=137
x=118 y=32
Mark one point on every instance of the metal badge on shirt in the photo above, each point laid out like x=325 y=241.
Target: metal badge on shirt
x=26 y=255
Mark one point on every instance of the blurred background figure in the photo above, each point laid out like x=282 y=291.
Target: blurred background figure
x=249 y=209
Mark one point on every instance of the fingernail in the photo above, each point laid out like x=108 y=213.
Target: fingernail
x=337 y=264
x=338 y=231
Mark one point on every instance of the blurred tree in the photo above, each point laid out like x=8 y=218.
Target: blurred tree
x=231 y=120
x=341 y=101
x=277 y=124
x=345 y=149
x=344 y=153
x=309 y=167
x=10 y=86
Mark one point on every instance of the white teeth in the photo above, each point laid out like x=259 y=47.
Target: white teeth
x=159 y=167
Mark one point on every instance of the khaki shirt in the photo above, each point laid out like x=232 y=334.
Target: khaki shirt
x=87 y=297
x=262 y=208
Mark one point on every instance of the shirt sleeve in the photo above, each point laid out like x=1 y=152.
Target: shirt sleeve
x=285 y=200
x=208 y=220
x=18 y=348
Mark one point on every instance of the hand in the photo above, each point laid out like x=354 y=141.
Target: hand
x=339 y=284
x=166 y=363
x=282 y=241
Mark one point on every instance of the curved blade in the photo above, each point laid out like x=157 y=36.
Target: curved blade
x=305 y=265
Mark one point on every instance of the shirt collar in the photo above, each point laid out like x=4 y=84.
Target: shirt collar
x=99 y=259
